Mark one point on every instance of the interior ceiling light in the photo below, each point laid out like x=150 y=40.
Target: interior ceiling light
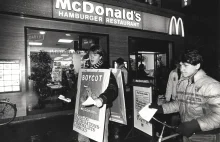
x=42 y=32
x=68 y=34
x=34 y=43
x=58 y=58
x=65 y=40
x=64 y=55
x=67 y=59
x=147 y=52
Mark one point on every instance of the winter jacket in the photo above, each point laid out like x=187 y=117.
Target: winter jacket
x=198 y=97
x=111 y=93
x=171 y=85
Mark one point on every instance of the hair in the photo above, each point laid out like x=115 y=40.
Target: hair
x=192 y=57
x=120 y=61
x=141 y=67
x=72 y=65
x=96 y=49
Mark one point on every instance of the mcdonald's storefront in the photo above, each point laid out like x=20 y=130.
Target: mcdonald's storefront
x=122 y=29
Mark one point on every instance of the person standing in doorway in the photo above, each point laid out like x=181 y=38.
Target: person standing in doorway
x=71 y=76
x=124 y=70
x=174 y=76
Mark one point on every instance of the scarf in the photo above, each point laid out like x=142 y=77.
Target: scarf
x=95 y=66
x=122 y=66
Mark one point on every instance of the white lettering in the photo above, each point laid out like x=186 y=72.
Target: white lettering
x=130 y=15
x=109 y=10
x=77 y=15
x=87 y=17
x=100 y=19
x=71 y=15
x=117 y=13
x=60 y=13
x=99 y=10
x=92 y=77
x=138 y=17
x=88 y=7
x=80 y=16
x=65 y=14
x=63 y=4
x=122 y=22
x=123 y=11
x=76 y=6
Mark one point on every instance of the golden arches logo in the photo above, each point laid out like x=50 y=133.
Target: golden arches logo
x=177 y=24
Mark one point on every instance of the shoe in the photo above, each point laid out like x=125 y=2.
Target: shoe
x=116 y=136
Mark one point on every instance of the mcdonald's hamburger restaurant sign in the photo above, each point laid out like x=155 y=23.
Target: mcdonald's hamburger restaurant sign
x=93 y=12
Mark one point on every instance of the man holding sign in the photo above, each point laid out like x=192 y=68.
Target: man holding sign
x=99 y=100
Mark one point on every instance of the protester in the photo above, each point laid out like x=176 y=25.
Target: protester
x=120 y=65
x=124 y=70
x=96 y=56
x=198 y=97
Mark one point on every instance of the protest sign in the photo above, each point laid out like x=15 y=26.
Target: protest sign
x=142 y=97
x=118 y=110
x=89 y=120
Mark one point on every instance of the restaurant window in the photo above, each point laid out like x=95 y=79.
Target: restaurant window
x=54 y=59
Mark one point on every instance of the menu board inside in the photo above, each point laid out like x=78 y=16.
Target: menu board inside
x=9 y=76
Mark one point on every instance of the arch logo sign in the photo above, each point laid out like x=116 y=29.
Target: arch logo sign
x=176 y=26
x=93 y=12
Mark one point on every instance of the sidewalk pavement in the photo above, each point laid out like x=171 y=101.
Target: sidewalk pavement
x=58 y=128
x=53 y=129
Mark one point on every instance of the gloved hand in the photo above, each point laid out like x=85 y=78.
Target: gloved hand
x=188 y=128
x=98 y=102
x=156 y=106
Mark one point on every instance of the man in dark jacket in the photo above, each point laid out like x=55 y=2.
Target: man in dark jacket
x=109 y=95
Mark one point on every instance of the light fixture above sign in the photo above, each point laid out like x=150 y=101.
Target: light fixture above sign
x=42 y=32
x=65 y=40
x=35 y=43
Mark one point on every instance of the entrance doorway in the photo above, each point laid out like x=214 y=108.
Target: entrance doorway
x=150 y=61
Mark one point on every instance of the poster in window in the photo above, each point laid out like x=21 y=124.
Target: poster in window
x=10 y=75
x=85 y=42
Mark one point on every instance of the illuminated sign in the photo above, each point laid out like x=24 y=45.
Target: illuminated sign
x=96 y=13
x=186 y=3
x=175 y=26
x=35 y=36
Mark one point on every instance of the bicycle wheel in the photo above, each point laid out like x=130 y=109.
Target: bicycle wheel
x=8 y=112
